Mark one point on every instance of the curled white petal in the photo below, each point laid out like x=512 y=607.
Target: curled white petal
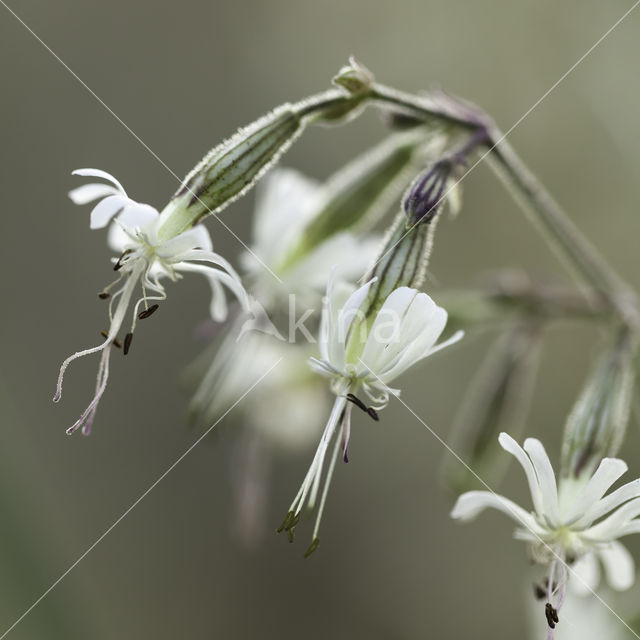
x=99 y=173
x=90 y=192
x=107 y=209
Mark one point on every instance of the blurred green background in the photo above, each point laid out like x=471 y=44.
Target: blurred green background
x=183 y=76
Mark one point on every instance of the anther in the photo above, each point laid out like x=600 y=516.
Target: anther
x=285 y=523
x=373 y=413
x=148 y=312
x=551 y=615
x=115 y=342
x=312 y=547
x=118 y=265
x=104 y=295
x=361 y=405
x=127 y=342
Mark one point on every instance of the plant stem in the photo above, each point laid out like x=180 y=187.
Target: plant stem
x=527 y=191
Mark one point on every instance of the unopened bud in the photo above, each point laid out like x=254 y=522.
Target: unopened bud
x=428 y=192
x=233 y=167
x=354 y=77
x=598 y=421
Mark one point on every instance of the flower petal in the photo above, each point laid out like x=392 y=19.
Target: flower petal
x=546 y=478
x=137 y=215
x=346 y=329
x=609 y=528
x=90 y=192
x=195 y=238
x=391 y=331
x=470 y=504
x=585 y=574
x=609 y=470
x=98 y=173
x=621 y=495
x=216 y=276
x=510 y=445
x=618 y=565
x=106 y=209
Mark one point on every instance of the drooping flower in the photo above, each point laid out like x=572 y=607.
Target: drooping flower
x=364 y=351
x=573 y=523
x=144 y=260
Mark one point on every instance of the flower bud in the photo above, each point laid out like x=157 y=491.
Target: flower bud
x=354 y=77
x=402 y=262
x=233 y=167
x=598 y=421
x=428 y=192
x=230 y=169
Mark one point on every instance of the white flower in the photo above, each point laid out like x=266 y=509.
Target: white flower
x=568 y=524
x=568 y=521
x=286 y=202
x=359 y=354
x=144 y=259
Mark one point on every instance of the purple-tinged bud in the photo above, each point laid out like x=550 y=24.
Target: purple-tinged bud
x=428 y=192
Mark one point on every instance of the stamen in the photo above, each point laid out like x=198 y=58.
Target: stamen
x=551 y=615
x=127 y=343
x=103 y=295
x=148 y=312
x=312 y=547
x=285 y=522
x=373 y=414
x=353 y=398
x=118 y=265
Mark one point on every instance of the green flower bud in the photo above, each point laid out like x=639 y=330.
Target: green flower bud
x=598 y=421
x=402 y=262
x=233 y=167
x=354 y=77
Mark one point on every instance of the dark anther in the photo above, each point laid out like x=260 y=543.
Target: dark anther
x=127 y=342
x=118 y=265
x=312 y=547
x=373 y=413
x=357 y=401
x=116 y=342
x=361 y=405
x=104 y=295
x=551 y=615
x=147 y=312
x=539 y=592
